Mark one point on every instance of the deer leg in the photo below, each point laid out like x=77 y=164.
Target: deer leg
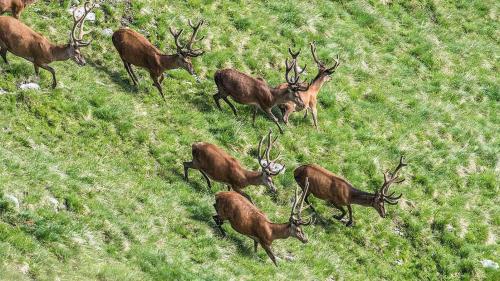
x=217 y=97
x=3 y=53
x=314 y=112
x=275 y=120
x=162 y=77
x=244 y=195
x=255 y=244
x=254 y=114
x=127 y=67
x=230 y=105
x=305 y=113
x=51 y=70
x=133 y=73
x=187 y=166
x=37 y=70
x=157 y=85
x=349 y=223
x=269 y=252
x=342 y=215
x=219 y=222
x=208 y=180
x=286 y=116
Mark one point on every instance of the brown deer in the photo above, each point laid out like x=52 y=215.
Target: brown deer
x=248 y=90
x=14 y=6
x=135 y=49
x=338 y=192
x=310 y=96
x=22 y=41
x=246 y=219
x=216 y=164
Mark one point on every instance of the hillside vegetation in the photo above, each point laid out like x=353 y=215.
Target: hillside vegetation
x=96 y=164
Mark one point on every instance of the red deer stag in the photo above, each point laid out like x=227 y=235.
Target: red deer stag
x=214 y=163
x=338 y=192
x=14 y=6
x=135 y=49
x=22 y=41
x=310 y=96
x=246 y=219
x=248 y=90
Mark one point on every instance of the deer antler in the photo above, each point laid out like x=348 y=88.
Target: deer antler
x=79 y=22
x=296 y=215
x=187 y=49
x=389 y=179
x=267 y=153
x=294 y=82
x=320 y=64
x=294 y=55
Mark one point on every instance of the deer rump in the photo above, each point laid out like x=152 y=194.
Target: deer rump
x=338 y=191
x=241 y=87
x=135 y=48
x=26 y=42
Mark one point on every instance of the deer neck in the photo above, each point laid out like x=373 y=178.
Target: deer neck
x=60 y=52
x=280 y=230
x=253 y=177
x=279 y=94
x=363 y=198
x=168 y=61
x=318 y=82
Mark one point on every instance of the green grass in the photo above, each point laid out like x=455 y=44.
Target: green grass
x=418 y=78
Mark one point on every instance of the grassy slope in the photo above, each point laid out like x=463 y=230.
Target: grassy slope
x=419 y=78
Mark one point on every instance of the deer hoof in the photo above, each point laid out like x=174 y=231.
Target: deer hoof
x=349 y=224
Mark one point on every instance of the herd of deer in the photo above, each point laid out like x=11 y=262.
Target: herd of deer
x=214 y=163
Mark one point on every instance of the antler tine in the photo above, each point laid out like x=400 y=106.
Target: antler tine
x=294 y=204
x=313 y=52
x=288 y=69
x=337 y=63
x=176 y=36
x=195 y=28
x=294 y=55
x=302 y=199
x=392 y=177
x=269 y=146
x=261 y=155
x=79 y=22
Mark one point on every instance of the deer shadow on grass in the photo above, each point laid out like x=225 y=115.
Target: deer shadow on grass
x=115 y=76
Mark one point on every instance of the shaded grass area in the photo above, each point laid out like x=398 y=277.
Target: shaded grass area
x=96 y=164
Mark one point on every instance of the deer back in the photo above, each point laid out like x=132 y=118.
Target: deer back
x=243 y=88
x=22 y=41
x=135 y=49
x=243 y=215
x=323 y=184
x=217 y=163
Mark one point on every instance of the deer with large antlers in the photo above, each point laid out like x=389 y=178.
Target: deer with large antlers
x=135 y=49
x=14 y=6
x=216 y=164
x=248 y=90
x=310 y=96
x=246 y=219
x=22 y=41
x=339 y=193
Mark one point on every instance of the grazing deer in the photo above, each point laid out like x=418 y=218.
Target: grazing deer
x=135 y=49
x=309 y=97
x=214 y=163
x=246 y=219
x=22 y=41
x=248 y=90
x=338 y=192
x=14 y=6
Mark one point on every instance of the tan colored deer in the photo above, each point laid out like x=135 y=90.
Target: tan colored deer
x=135 y=49
x=246 y=219
x=22 y=41
x=338 y=192
x=216 y=164
x=14 y=6
x=248 y=90
x=310 y=96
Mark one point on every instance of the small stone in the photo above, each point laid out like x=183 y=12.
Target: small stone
x=14 y=200
x=399 y=262
x=24 y=268
x=29 y=86
x=79 y=13
x=3 y=92
x=489 y=264
x=53 y=201
x=108 y=32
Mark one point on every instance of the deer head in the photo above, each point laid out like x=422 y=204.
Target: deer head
x=323 y=70
x=186 y=52
x=296 y=220
x=269 y=167
x=76 y=40
x=381 y=196
x=294 y=84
